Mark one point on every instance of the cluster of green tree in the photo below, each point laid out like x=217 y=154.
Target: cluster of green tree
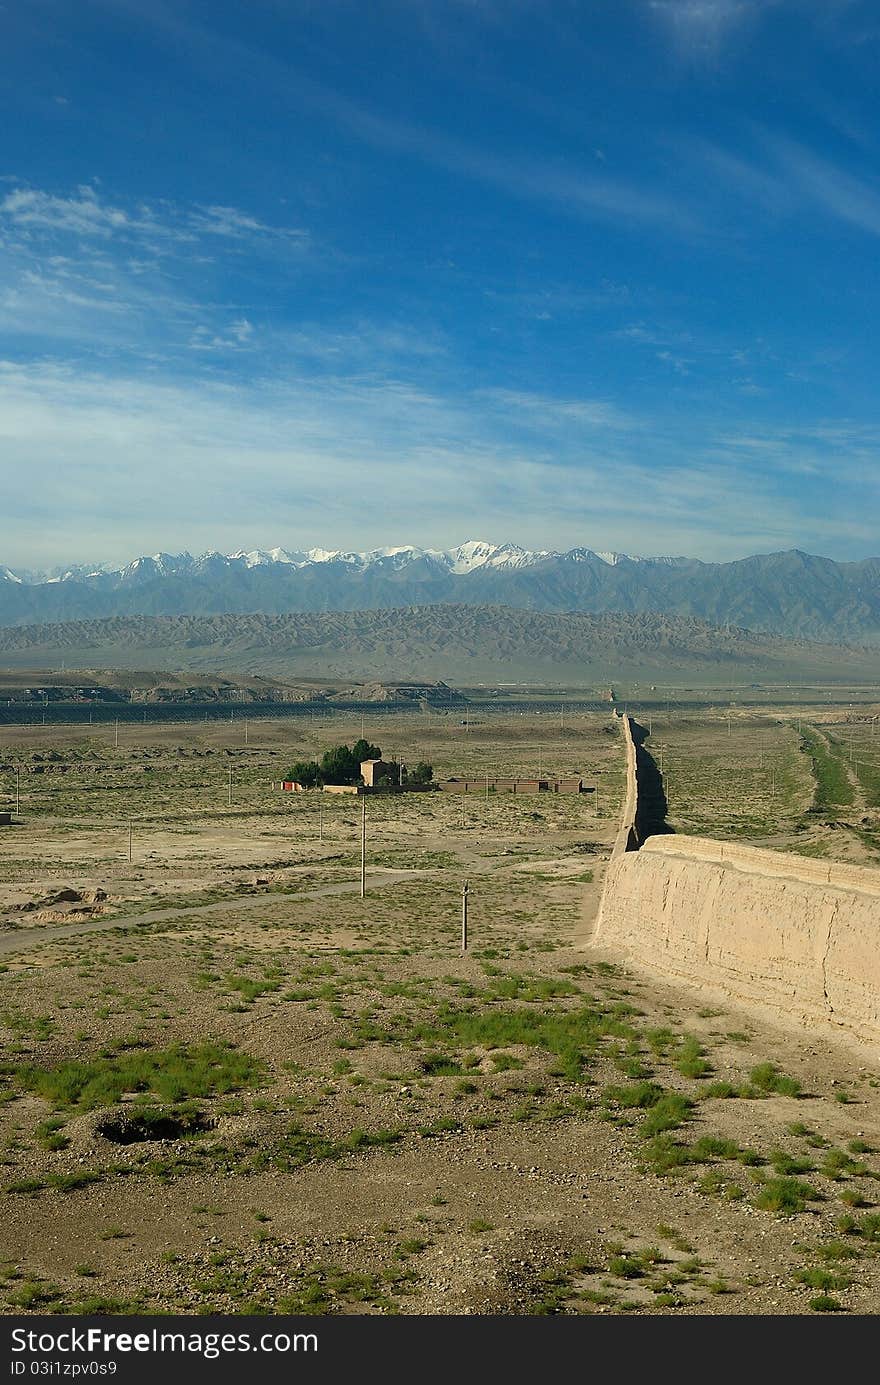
x=342 y=765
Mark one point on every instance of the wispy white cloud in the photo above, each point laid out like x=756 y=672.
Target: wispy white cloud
x=239 y=337
x=544 y=411
x=83 y=269
x=155 y=463
x=785 y=178
x=835 y=191
x=82 y=213
x=579 y=191
x=85 y=213
x=700 y=28
x=678 y=363
x=237 y=225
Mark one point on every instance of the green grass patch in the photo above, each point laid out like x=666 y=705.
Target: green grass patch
x=641 y=1095
x=173 y=1074
x=689 y=1058
x=824 y=1303
x=783 y=1194
x=299 y=1146
x=50 y=1134
x=768 y=1080
x=822 y=1279
x=667 y=1113
x=833 y=787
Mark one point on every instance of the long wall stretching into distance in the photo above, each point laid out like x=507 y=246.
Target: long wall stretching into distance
x=627 y=837
x=799 y=936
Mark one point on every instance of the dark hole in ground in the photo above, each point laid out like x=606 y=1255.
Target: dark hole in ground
x=153 y=1125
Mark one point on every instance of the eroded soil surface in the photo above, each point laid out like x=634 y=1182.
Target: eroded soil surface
x=235 y=1090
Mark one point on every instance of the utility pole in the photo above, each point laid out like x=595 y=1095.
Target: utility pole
x=464 y=916
x=363 y=847
x=321 y=819
x=130 y=833
x=116 y=737
x=17 y=790
x=229 y=791
x=245 y=733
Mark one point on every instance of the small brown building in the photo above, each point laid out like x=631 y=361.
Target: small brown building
x=374 y=771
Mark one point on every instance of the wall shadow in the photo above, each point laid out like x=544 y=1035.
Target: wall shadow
x=652 y=806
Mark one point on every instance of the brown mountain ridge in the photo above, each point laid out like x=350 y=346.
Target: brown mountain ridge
x=462 y=643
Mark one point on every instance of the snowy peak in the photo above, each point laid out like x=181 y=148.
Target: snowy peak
x=471 y=556
x=257 y=557
x=144 y=569
x=479 y=553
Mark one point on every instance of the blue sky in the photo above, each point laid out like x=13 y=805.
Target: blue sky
x=351 y=275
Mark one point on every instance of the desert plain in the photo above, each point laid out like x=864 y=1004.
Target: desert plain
x=231 y=1084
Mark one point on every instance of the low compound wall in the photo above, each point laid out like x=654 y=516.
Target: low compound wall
x=797 y=936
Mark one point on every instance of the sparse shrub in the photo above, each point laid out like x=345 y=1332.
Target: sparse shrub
x=767 y=1078
x=787 y=1195
x=785 y=1163
x=668 y=1113
x=49 y=1134
x=851 y=1197
x=869 y=1226
x=690 y=1060
x=824 y=1303
x=173 y=1074
x=822 y=1279
x=836 y=1250
x=721 y=1089
x=639 y=1094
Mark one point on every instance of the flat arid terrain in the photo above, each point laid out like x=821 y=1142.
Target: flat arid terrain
x=231 y=1084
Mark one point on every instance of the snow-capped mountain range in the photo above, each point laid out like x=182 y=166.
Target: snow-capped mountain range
x=793 y=593
x=467 y=557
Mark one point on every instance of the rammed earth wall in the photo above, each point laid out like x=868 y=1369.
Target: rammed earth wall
x=799 y=936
